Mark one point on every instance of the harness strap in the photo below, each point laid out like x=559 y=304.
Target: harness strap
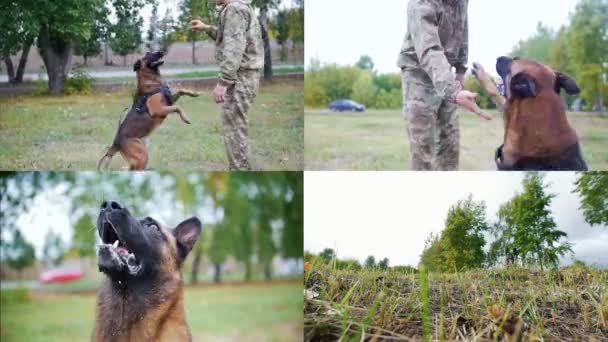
x=140 y=103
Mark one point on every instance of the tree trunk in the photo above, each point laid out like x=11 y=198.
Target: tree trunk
x=106 y=54
x=193 y=51
x=10 y=69
x=195 y=266
x=217 y=273
x=23 y=60
x=85 y=60
x=268 y=272
x=267 y=52
x=124 y=60
x=247 y=271
x=57 y=55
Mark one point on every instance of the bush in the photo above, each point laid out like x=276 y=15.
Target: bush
x=15 y=296
x=79 y=83
x=364 y=90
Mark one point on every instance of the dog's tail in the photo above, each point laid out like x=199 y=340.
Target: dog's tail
x=104 y=162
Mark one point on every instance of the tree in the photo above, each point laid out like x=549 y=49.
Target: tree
x=364 y=90
x=526 y=230
x=18 y=29
x=53 y=250
x=587 y=39
x=126 y=33
x=460 y=245
x=370 y=262
x=292 y=236
x=265 y=6
x=281 y=28
x=58 y=30
x=383 y=264
x=152 y=39
x=83 y=241
x=365 y=63
x=593 y=190
x=537 y=47
x=295 y=20
x=327 y=255
x=91 y=45
x=194 y=9
x=20 y=253
x=166 y=30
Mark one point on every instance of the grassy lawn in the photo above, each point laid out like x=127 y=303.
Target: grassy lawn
x=569 y=304
x=73 y=132
x=377 y=140
x=260 y=312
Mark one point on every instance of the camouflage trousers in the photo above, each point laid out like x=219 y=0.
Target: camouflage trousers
x=239 y=98
x=432 y=124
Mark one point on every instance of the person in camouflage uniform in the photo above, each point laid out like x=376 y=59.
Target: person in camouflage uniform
x=240 y=54
x=436 y=41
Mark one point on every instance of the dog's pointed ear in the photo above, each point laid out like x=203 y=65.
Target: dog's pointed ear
x=137 y=65
x=187 y=234
x=563 y=81
x=523 y=85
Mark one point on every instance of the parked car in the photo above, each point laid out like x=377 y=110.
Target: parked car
x=346 y=106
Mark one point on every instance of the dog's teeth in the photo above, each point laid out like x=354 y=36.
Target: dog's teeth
x=115 y=244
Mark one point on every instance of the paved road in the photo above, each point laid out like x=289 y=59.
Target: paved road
x=128 y=72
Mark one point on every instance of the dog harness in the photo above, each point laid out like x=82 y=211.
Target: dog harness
x=140 y=106
x=570 y=160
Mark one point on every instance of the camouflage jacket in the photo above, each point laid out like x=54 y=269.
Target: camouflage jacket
x=437 y=39
x=238 y=40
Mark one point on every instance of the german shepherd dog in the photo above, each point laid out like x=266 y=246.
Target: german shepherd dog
x=152 y=104
x=538 y=135
x=141 y=298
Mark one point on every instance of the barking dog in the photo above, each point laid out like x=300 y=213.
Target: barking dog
x=141 y=298
x=538 y=135
x=152 y=104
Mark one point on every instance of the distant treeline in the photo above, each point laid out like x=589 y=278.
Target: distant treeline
x=328 y=257
x=324 y=84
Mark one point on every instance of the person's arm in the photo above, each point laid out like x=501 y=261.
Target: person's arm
x=212 y=32
x=424 y=29
x=463 y=53
x=235 y=42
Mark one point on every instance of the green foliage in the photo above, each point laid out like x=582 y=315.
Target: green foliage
x=280 y=26
x=79 y=83
x=15 y=296
x=526 y=230
x=324 y=84
x=53 y=250
x=383 y=264
x=370 y=262
x=593 y=190
x=538 y=46
x=365 y=63
x=126 y=33
x=483 y=99
x=90 y=45
x=19 y=253
x=327 y=255
x=364 y=90
x=460 y=245
x=83 y=242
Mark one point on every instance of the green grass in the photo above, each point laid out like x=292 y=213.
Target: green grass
x=377 y=140
x=477 y=305
x=73 y=132
x=261 y=312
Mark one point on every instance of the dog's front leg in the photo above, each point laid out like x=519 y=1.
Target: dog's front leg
x=488 y=85
x=157 y=109
x=182 y=92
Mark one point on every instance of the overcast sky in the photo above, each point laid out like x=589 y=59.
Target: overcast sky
x=390 y=214
x=340 y=31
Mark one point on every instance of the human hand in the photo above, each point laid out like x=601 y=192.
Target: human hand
x=219 y=93
x=466 y=99
x=197 y=25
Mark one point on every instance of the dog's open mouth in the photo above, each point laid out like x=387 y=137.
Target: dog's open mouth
x=121 y=257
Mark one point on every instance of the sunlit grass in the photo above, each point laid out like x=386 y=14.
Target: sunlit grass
x=73 y=132
x=377 y=140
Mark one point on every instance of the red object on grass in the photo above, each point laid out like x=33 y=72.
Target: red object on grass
x=60 y=276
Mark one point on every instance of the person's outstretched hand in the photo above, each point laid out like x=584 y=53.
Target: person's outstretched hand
x=197 y=25
x=466 y=99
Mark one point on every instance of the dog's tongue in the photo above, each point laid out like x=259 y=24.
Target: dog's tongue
x=122 y=249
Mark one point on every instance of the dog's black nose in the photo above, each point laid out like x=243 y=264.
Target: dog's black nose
x=503 y=65
x=110 y=205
